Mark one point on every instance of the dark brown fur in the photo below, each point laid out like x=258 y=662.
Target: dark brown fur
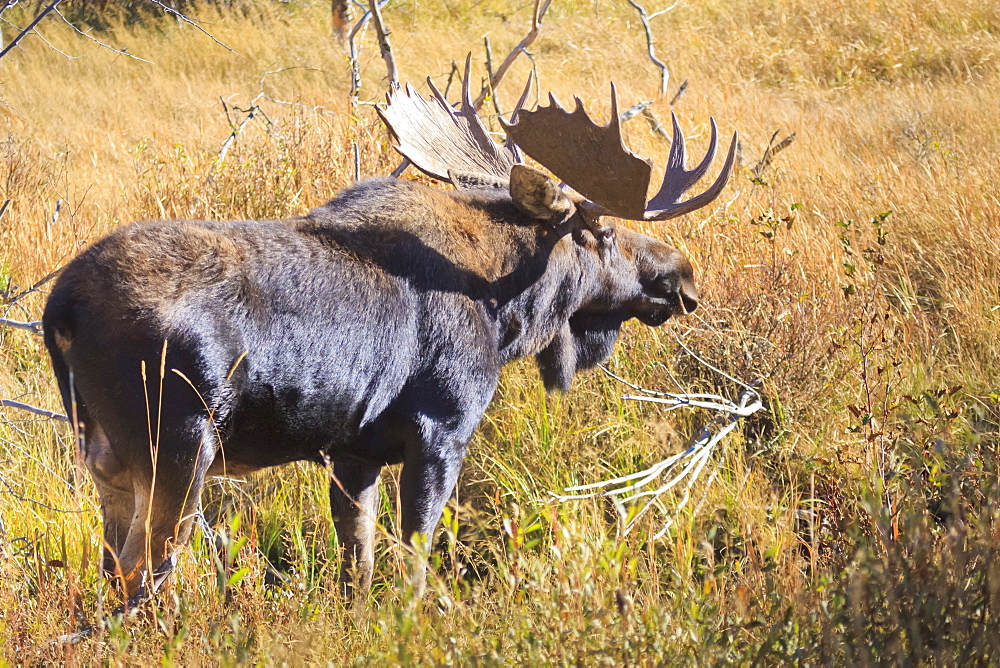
x=369 y=332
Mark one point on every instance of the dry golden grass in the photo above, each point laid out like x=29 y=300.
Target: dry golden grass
x=853 y=522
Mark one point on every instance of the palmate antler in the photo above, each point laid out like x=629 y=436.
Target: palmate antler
x=590 y=158
x=593 y=160
x=439 y=139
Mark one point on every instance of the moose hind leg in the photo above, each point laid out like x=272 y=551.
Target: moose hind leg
x=353 y=502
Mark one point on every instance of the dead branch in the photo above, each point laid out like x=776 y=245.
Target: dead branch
x=123 y=52
x=33 y=327
x=494 y=78
x=685 y=465
x=634 y=110
x=538 y=12
x=10 y=297
x=255 y=108
x=644 y=108
x=451 y=77
x=644 y=17
x=10 y=491
x=52 y=415
x=185 y=19
x=250 y=113
x=31 y=26
x=680 y=91
x=383 y=42
x=654 y=124
x=489 y=75
x=772 y=150
x=47 y=43
x=353 y=54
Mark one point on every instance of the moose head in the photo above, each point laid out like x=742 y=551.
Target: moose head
x=601 y=179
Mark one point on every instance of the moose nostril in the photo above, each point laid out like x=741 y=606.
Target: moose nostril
x=688 y=302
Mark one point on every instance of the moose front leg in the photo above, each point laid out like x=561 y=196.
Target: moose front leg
x=353 y=503
x=426 y=483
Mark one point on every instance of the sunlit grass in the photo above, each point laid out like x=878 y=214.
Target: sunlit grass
x=853 y=521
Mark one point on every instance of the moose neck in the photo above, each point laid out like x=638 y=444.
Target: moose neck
x=550 y=278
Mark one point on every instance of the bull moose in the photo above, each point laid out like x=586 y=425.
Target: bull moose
x=370 y=331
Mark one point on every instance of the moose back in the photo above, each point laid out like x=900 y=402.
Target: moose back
x=368 y=332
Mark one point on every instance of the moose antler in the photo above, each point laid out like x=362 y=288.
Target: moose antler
x=593 y=160
x=590 y=158
x=437 y=138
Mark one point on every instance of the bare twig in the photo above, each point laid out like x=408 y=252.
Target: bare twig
x=353 y=53
x=489 y=75
x=10 y=490
x=654 y=124
x=8 y=403
x=400 y=168
x=644 y=17
x=263 y=95
x=634 y=110
x=226 y=145
x=47 y=43
x=383 y=42
x=3 y=207
x=494 y=78
x=644 y=109
x=451 y=77
x=254 y=108
x=185 y=19
x=357 y=161
x=538 y=12
x=680 y=91
x=34 y=288
x=33 y=327
x=123 y=52
x=772 y=150
x=14 y=42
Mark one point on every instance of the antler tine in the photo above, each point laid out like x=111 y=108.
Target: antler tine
x=616 y=122
x=508 y=142
x=523 y=98
x=466 y=95
x=439 y=140
x=676 y=179
x=665 y=204
x=591 y=159
x=436 y=92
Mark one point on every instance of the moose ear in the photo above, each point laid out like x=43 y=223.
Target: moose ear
x=537 y=194
x=471 y=180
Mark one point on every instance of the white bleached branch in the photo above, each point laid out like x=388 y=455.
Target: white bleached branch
x=685 y=466
x=8 y=403
x=33 y=327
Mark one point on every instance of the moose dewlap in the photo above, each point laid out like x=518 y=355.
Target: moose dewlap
x=368 y=332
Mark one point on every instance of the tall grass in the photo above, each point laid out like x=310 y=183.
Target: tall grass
x=853 y=522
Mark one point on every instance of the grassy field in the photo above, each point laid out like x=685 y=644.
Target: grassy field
x=854 y=521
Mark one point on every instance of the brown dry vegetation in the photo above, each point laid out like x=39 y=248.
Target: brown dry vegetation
x=855 y=521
